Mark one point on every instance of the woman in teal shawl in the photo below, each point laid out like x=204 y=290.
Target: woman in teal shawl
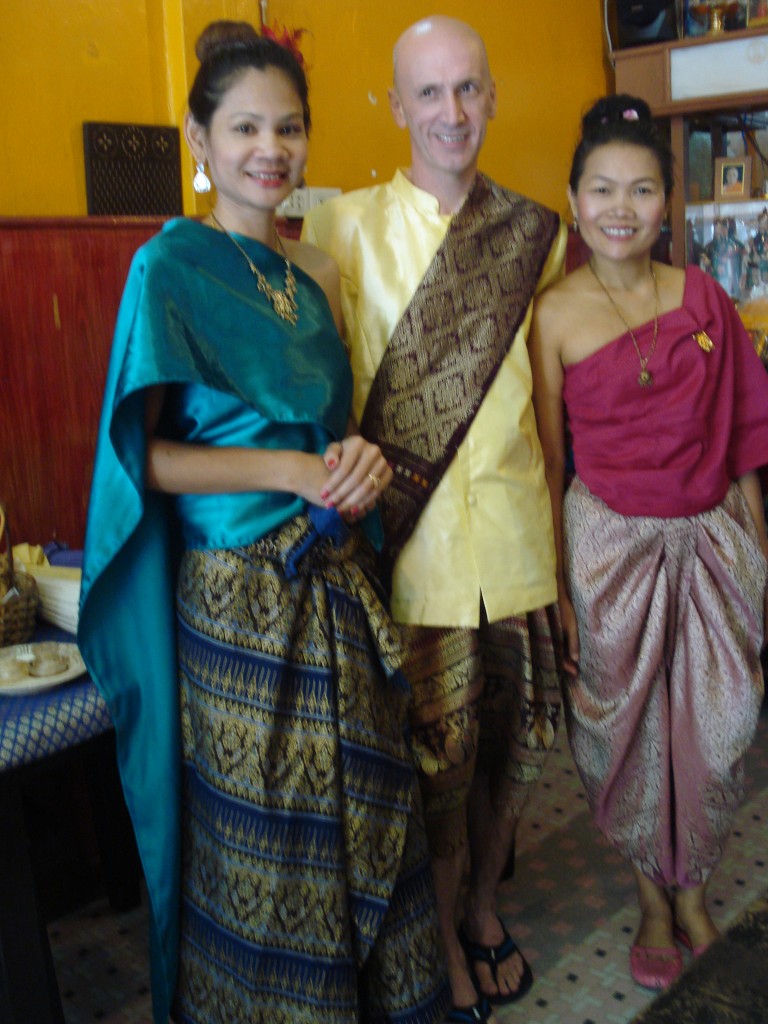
x=260 y=713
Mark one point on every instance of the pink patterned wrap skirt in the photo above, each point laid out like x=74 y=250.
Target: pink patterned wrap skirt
x=670 y=615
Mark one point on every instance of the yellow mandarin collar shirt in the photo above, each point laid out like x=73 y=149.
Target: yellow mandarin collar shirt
x=487 y=530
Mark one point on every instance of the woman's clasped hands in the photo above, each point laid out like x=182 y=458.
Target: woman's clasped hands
x=350 y=476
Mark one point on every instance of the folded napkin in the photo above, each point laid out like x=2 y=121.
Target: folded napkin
x=58 y=586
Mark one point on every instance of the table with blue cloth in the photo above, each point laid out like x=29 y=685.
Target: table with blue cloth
x=41 y=724
x=42 y=732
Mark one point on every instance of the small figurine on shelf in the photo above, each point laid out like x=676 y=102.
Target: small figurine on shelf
x=725 y=254
x=758 y=12
x=693 y=247
x=711 y=17
x=757 y=250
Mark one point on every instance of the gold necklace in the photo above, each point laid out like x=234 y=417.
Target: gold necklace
x=645 y=380
x=283 y=302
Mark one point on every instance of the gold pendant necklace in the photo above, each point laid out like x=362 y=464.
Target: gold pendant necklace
x=283 y=302
x=645 y=379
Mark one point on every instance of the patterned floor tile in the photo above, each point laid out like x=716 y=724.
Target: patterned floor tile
x=571 y=905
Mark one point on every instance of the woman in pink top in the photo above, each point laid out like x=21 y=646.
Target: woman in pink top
x=661 y=536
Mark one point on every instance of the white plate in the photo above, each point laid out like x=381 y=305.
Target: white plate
x=33 y=684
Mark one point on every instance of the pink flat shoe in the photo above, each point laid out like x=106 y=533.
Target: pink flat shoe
x=655 y=967
x=683 y=938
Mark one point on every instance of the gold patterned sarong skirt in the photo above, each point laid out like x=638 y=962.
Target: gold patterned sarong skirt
x=306 y=890
x=670 y=616
x=484 y=700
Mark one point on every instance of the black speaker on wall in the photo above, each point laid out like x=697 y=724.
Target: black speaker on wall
x=645 y=21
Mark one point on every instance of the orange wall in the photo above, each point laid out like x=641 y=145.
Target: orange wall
x=67 y=61
x=547 y=66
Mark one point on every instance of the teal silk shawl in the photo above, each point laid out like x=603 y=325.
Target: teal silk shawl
x=191 y=315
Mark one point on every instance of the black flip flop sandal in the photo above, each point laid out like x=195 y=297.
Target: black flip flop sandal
x=476 y=952
x=477 y=1013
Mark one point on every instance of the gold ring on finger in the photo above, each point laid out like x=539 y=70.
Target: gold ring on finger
x=374 y=480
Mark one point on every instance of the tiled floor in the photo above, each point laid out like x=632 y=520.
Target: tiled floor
x=572 y=903
x=571 y=907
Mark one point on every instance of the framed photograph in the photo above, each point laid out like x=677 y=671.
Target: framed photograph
x=757 y=12
x=733 y=178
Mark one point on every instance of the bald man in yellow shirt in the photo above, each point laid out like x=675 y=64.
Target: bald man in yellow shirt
x=438 y=271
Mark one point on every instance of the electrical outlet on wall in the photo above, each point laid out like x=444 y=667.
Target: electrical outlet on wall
x=301 y=200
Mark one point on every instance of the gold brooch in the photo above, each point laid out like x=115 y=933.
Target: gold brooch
x=703 y=340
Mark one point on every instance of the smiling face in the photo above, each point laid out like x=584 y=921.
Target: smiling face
x=255 y=146
x=444 y=96
x=620 y=202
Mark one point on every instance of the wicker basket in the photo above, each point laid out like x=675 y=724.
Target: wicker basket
x=17 y=613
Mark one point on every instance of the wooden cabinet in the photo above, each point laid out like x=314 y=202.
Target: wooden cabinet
x=60 y=287
x=691 y=77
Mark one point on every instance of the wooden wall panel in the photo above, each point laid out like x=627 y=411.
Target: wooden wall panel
x=60 y=287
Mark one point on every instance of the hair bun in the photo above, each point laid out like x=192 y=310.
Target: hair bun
x=614 y=109
x=625 y=120
x=224 y=37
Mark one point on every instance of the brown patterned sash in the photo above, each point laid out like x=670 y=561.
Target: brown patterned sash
x=449 y=344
